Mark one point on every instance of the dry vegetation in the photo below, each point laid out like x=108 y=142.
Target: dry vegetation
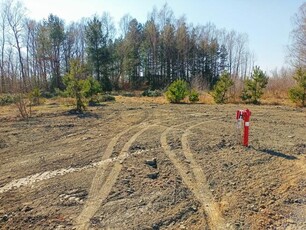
x=275 y=94
x=143 y=157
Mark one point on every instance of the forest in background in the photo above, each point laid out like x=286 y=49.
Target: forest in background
x=131 y=55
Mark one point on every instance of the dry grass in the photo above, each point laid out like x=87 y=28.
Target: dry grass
x=157 y=100
x=66 y=101
x=204 y=98
x=277 y=97
x=6 y=110
x=56 y=105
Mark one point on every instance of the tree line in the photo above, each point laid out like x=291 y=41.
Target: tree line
x=131 y=55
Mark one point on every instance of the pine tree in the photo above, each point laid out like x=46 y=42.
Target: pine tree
x=98 y=53
x=221 y=88
x=254 y=86
x=76 y=85
x=177 y=91
x=298 y=93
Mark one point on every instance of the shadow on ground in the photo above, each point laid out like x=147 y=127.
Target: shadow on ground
x=276 y=154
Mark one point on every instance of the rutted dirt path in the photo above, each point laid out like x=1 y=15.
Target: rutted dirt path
x=211 y=208
x=98 y=193
x=150 y=166
x=197 y=181
x=91 y=205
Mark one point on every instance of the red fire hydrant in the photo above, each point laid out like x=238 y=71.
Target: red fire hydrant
x=244 y=115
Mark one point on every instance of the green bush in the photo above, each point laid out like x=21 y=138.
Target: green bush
x=221 y=88
x=297 y=94
x=194 y=96
x=7 y=99
x=60 y=93
x=94 y=87
x=254 y=86
x=177 y=91
x=35 y=96
x=76 y=87
x=151 y=93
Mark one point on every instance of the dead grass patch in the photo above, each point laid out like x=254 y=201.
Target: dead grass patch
x=278 y=97
x=157 y=100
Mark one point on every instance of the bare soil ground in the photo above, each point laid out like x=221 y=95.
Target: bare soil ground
x=142 y=165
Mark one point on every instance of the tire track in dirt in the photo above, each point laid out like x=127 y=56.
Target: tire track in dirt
x=45 y=175
x=214 y=216
x=97 y=182
x=178 y=164
x=99 y=190
x=198 y=185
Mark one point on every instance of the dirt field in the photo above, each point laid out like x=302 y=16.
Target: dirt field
x=141 y=165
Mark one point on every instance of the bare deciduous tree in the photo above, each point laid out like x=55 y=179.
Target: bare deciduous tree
x=297 y=49
x=15 y=15
x=2 y=50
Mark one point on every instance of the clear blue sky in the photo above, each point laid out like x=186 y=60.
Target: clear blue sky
x=267 y=22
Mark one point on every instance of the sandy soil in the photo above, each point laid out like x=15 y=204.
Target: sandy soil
x=142 y=165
